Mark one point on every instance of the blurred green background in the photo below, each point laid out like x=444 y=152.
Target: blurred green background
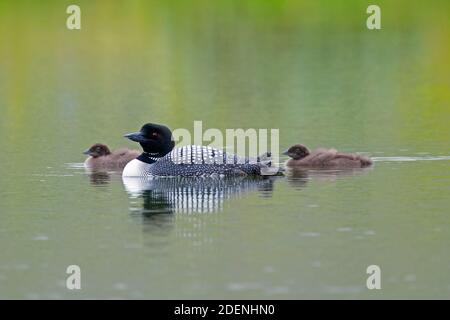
x=308 y=65
x=310 y=68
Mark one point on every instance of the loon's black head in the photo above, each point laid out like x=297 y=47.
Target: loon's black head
x=155 y=139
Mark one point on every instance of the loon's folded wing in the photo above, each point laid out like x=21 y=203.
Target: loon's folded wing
x=206 y=160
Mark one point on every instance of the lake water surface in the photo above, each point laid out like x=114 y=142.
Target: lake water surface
x=321 y=78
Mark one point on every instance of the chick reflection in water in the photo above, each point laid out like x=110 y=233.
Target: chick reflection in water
x=299 y=177
x=98 y=178
x=192 y=194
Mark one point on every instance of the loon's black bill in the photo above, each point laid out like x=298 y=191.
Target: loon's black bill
x=286 y=153
x=87 y=152
x=135 y=136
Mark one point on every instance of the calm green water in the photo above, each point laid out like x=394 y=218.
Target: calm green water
x=309 y=68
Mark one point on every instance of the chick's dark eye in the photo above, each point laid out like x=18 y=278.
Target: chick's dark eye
x=155 y=134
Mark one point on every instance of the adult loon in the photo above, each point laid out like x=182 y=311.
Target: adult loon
x=100 y=157
x=161 y=159
x=323 y=158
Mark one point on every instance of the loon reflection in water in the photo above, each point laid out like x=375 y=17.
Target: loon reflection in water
x=190 y=194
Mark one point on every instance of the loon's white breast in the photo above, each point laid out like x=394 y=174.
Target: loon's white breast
x=136 y=168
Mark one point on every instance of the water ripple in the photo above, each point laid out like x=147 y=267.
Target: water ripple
x=404 y=159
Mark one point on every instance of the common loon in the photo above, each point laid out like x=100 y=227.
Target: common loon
x=324 y=158
x=100 y=157
x=161 y=159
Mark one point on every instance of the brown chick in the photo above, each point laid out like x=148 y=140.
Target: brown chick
x=100 y=157
x=324 y=158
